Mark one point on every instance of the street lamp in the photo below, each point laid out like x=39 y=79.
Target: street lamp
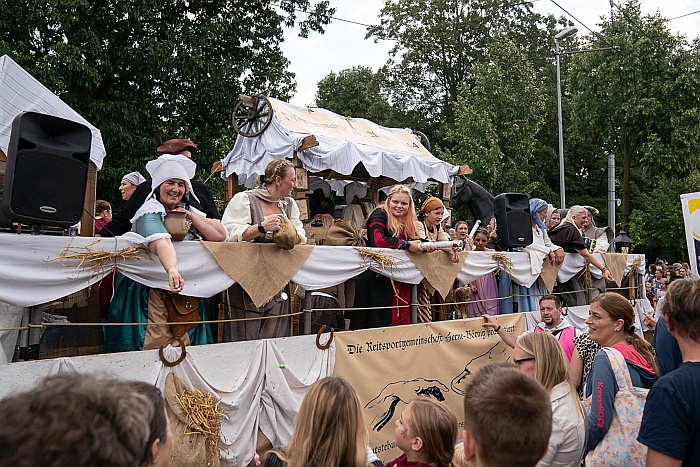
x=623 y=241
x=568 y=32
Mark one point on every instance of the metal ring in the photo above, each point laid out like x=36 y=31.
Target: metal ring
x=183 y=354
x=327 y=345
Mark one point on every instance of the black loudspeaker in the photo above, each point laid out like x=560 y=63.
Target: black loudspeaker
x=47 y=169
x=513 y=221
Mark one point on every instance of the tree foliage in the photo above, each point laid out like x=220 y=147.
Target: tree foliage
x=128 y=66
x=639 y=103
x=356 y=92
x=497 y=120
x=659 y=225
x=438 y=43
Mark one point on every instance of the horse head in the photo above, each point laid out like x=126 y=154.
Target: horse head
x=469 y=193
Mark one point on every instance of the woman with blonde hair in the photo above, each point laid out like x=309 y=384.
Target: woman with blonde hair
x=391 y=225
x=611 y=324
x=426 y=433
x=253 y=216
x=540 y=355
x=328 y=430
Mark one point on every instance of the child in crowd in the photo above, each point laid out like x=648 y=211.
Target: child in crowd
x=426 y=433
x=458 y=459
x=484 y=289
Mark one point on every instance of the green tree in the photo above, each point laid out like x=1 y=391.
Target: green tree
x=128 y=66
x=659 y=227
x=497 y=120
x=356 y=92
x=438 y=43
x=639 y=103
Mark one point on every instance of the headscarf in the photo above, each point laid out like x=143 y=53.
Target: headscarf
x=446 y=215
x=171 y=166
x=573 y=211
x=538 y=205
x=135 y=178
x=431 y=204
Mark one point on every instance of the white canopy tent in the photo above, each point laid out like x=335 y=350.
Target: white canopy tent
x=21 y=92
x=344 y=145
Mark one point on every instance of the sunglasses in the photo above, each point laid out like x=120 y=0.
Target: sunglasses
x=521 y=360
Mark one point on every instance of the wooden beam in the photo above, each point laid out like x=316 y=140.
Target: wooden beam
x=87 y=222
x=374 y=190
x=308 y=142
x=231 y=187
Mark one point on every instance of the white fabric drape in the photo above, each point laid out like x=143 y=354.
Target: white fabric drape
x=28 y=278
x=21 y=92
x=267 y=395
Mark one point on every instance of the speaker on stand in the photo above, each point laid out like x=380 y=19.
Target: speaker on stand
x=46 y=172
x=513 y=221
x=513 y=226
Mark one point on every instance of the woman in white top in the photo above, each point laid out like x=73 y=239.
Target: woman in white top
x=253 y=216
x=540 y=355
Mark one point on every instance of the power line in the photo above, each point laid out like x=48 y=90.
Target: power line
x=335 y=18
x=683 y=16
x=584 y=25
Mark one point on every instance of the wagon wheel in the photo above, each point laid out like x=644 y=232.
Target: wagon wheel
x=252 y=115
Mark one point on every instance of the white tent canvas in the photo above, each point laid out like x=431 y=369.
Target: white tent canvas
x=21 y=92
x=343 y=143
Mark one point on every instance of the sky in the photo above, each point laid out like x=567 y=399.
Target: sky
x=343 y=44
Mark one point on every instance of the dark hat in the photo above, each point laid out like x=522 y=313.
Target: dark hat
x=176 y=146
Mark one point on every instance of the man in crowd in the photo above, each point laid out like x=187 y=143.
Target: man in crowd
x=671 y=422
x=75 y=420
x=507 y=418
x=552 y=322
x=121 y=222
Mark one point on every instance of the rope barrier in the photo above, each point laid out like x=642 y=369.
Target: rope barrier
x=294 y=314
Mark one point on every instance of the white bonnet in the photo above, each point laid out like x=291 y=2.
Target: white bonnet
x=171 y=166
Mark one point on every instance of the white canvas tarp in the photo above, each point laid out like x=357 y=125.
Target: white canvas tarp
x=21 y=92
x=343 y=143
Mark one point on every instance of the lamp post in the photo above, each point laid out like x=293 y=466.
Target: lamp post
x=568 y=32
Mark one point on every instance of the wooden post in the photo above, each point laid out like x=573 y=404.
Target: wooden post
x=374 y=190
x=414 y=301
x=307 y=314
x=231 y=187
x=87 y=222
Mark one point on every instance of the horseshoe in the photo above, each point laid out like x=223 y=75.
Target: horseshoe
x=183 y=354
x=318 y=338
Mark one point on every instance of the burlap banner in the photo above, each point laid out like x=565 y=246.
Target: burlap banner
x=438 y=269
x=616 y=263
x=390 y=366
x=261 y=269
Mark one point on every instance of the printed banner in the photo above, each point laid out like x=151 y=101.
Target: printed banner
x=691 y=216
x=390 y=366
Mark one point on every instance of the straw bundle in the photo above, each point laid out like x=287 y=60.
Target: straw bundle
x=203 y=416
x=97 y=260
x=504 y=262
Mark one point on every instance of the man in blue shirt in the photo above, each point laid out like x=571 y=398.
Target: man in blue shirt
x=671 y=422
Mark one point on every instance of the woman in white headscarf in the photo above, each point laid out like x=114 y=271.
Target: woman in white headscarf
x=129 y=184
x=569 y=235
x=541 y=249
x=170 y=181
